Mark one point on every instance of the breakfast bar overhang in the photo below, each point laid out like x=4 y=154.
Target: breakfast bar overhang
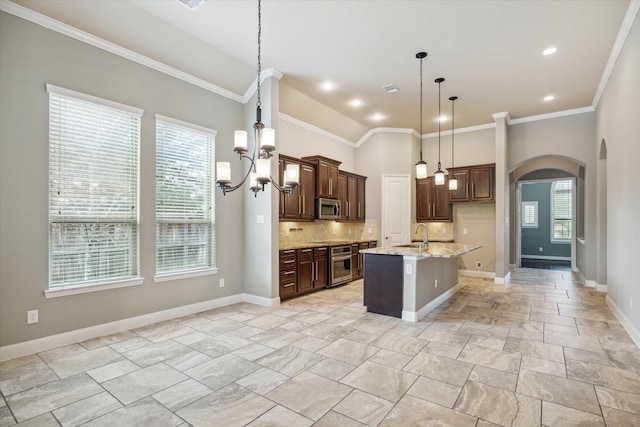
x=410 y=281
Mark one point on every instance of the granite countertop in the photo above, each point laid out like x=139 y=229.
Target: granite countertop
x=435 y=250
x=321 y=244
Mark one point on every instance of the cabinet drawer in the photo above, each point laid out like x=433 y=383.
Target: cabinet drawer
x=287 y=276
x=286 y=263
x=320 y=252
x=288 y=290
x=305 y=253
x=354 y=248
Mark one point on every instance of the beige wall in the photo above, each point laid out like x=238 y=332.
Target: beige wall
x=618 y=125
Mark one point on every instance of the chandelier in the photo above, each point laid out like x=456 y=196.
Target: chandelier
x=259 y=171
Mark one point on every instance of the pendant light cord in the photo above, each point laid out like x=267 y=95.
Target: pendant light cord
x=453 y=100
x=420 y=136
x=439 y=121
x=259 y=104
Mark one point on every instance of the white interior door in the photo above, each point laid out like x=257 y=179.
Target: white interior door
x=396 y=207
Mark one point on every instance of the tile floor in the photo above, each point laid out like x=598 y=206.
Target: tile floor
x=542 y=350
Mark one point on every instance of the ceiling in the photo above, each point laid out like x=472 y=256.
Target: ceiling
x=489 y=52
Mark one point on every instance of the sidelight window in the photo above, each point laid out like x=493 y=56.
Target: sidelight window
x=561 y=211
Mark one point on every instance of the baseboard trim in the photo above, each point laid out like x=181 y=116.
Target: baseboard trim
x=591 y=283
x=633 y=332
x=53 y=341
x=475 y=273
x=414 y=316
x=502 y=280
x=601 y=288
x=547 y=258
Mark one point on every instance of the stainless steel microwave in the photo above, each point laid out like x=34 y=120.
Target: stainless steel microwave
x=327 y=209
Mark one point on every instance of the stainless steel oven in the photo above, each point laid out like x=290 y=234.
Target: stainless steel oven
x=340 y=265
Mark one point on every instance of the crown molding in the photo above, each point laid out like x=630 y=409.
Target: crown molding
x=251 y=90
x=625 y=28
x=374 y=131
x=502 y=115
x=315 y=129
x=67 y=30
x=461 y=130
x=555 y=115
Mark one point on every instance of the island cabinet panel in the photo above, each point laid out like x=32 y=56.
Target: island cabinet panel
x=475 y=184
x=327 y=176
x=432 y=201
x=288 y=274
x=383 y=284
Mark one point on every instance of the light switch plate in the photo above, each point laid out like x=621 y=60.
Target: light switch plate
x=260 y=219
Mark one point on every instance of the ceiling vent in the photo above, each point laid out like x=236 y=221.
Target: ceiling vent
x=390 y=88
x=192 y=4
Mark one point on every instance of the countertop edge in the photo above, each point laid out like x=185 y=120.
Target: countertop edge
x=435 y=250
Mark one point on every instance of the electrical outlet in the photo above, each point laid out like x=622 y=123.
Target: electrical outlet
x=436 y=283
x=222 y=283
x=540 y=249
x=32 y=317
x=409 y=269
x=260 y=219
x=465 y=231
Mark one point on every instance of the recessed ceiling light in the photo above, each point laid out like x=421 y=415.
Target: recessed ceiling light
x=377 y=117
x=550 y=51
x=328 y=85
x=355 y=102
x=549 y=98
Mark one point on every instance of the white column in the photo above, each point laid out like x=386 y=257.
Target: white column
x=502 y=198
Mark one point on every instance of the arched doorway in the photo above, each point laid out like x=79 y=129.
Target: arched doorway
x=548 y=169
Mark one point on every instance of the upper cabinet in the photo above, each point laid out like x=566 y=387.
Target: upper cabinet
x=299 y=205
x=475 y=183
x=432 y=201
x=327 y=176
x=351 y=192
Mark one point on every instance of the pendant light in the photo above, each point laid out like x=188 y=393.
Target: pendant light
x=421 y=165
x=439 y=175
x=453 y=181
x=259 y=171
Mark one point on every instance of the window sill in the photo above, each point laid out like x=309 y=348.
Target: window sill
x=63 y=291
x=167 y=277
x=561 y=242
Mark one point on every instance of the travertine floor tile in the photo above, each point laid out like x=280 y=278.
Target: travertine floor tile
x=561 y=416
x=370 y=376
x=364 y=407
x=440 y=368
x=415 y=411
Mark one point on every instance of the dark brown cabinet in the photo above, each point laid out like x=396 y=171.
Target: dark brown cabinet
x=475 y=184
x=432 y=201
x=299 y=205
x=352 y=192
x=312 y=269
x=327 y=176
x=288 y=274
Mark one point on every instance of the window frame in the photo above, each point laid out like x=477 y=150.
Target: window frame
x=525 y=204
x=210 y=268
x=570 y=219
x=58 y=142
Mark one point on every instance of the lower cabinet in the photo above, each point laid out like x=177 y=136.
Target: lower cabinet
x=303 y=271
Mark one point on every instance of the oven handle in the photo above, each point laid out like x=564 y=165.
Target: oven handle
x=340 y=258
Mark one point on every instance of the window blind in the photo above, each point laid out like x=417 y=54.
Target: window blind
x=93 y=189
x=185 y=211
x=562 y=198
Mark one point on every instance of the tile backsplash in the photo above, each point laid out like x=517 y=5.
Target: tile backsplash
x=300 y=232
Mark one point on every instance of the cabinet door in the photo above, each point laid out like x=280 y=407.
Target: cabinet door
x=352 y=198
x=482 y=183
x=462 y=193
x=440 y=208
x=342 y=195
x=333 y=181
x=423 y=199
x=305 y=270
x=321 y=261
x=327 y=180
x=291 y=204
x=361 y=215
x=307 y=192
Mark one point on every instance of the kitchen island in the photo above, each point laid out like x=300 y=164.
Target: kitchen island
x=409 y=281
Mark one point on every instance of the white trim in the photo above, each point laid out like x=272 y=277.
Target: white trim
x=167 y=277
x=601 y=288
x=78 y=335
x=372 y=132
x=502 y=115
x=553 y=115
x=623 y=32
x=502 y=280
x=314 y=129
x=90 y=39
x=263 y=301
x=253 y=88
x=628 y=326
x=94 y=99
x=461 y=130
x=86 y=287
x=476 y=273
x=414 y=316
x=556 y=258
x=192 y=126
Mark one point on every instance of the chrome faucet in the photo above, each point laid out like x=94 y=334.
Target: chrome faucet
x=425 y=241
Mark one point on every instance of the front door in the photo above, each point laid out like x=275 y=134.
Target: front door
x=396 y=210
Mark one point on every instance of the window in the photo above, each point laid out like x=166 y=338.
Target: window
x=185 y=210
x=530 y=214
x=561 y=211
x=94 y=149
